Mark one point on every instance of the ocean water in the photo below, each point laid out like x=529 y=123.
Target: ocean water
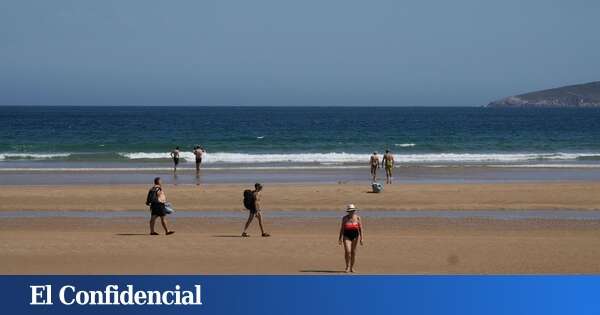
x=297 y=136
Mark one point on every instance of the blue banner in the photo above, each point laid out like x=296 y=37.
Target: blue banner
x=300 y=295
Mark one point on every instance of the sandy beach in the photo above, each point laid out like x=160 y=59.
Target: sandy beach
x=298 y=246
x=228 y=197
x=301 y=245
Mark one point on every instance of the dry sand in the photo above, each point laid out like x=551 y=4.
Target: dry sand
x=298 y=246
x=515 y=196
x=301 y=246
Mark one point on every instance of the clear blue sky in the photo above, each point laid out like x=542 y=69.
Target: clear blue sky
x=278 y=52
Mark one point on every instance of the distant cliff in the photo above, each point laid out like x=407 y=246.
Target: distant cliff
x=580 y=95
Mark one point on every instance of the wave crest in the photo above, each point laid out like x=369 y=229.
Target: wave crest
x=32 y=156
x=330 y=158
x=336 y=158
x=405 y=145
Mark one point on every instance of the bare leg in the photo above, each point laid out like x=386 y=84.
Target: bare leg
x=250 y=217
x=152 y=221
x=260 y=223
x=353 y=254
x=347 y=251
x=163 y=221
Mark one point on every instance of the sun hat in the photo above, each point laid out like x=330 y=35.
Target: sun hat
x=350 y=207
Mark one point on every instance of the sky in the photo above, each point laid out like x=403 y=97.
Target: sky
x=292 y=53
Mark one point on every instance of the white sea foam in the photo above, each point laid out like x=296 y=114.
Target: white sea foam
x=405 y=145
x=32 y=156
x=336 y=158
x=245 y=158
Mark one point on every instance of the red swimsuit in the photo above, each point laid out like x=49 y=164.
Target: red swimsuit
x=351 y=226
x=351 y=230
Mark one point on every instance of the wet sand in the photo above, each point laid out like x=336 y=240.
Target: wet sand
x=77 y=173
x=228 y=197
x=298 y=246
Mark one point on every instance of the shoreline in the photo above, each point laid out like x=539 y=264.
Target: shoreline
x=405 y=174
x=573 y=195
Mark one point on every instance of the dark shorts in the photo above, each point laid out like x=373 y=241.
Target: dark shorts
x=176 y=161
x=253 y=210
x=198 y=161
x=158 y=209
x=351 y=234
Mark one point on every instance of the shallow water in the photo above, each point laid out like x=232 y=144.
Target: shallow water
x=404 y=174
x=444 y=214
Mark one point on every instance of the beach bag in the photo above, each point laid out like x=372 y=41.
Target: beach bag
x=377 y=187
x=169 y=208
x=152 y=196
x=248 y=199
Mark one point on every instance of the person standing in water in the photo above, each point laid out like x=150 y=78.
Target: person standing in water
x=252 y=203
x=156 y=200
x=351 y=233
x=374 y=162
x=388 y=163
x=175 y=157
x=198 y=153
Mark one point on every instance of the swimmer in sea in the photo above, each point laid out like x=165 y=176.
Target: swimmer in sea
x=198 y=153
x=175 y=157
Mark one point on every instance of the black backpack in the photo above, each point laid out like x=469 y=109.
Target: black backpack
x=249 y=200
x=152 y=196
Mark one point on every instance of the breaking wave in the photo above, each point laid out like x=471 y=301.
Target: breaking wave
x=32 y=156
x=336 y=158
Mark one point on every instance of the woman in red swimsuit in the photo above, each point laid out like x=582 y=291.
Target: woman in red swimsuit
x=351 y=233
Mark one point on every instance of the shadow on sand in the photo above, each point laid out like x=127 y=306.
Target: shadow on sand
x=132 y=234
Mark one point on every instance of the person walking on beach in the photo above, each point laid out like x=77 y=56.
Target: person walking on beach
x=198 y=153
x=156 y=200
x=374 y=162
x=351 y=233
x=252 y=203
x=388 y=163
x=175 y=157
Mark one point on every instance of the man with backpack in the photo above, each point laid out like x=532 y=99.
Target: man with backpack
x=252 y=204
x=156 y=199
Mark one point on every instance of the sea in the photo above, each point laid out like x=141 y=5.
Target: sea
x=131 y=138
